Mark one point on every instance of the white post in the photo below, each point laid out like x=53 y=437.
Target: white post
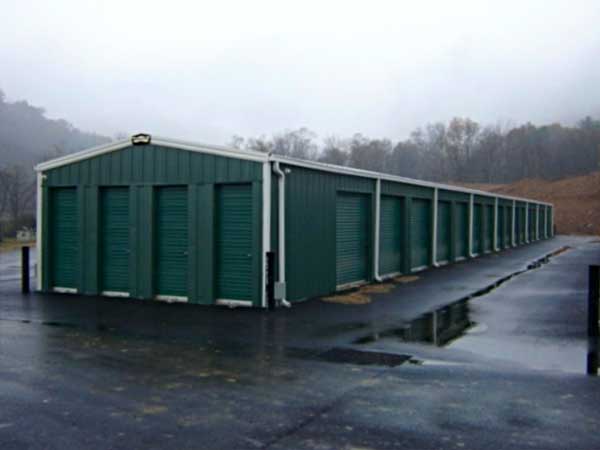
x=471 y=201
x=377 y=225
x=435 y=227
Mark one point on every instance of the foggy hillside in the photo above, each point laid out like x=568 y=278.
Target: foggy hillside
x=27 y=136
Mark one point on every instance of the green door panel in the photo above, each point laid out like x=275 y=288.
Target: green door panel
x=489 y=228
x=352 y=237
x=500 y=228
x=391 y=230
x=477 y=224
x=443 y=231
x=234 y=242
x=171 y=231
x=462 y=229
x=114 y=239
x=64 y=241
x=420 y=232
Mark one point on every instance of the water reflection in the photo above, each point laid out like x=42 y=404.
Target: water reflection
x=438 y=327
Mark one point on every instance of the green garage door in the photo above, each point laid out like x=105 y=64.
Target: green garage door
x=171 y=267
x=507 y=226
x=390 y=235
x=462 y=230
x=543 y=221
x=519 y=226
x=501 y=227
x=477 y=223
x=234 y=255
x=443 y=232
x=114 y=239
x=64 y=238
x=531 y=224
x=489 y=228
x=352 y=238
x=420 y=232
x=549 y=221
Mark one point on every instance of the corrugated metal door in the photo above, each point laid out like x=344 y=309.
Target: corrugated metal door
x=518 y=225
x=462 y=229
x=352 y=238
x=543 y=226
x=443 y=232
x=501 y=226
x=420 y=224
x=171 y=260
x=114 y=239
x=489 y=228
x=507 y=226
x=234 y=242
x=391 y=230
x=64 y=243
x=531 y=224
x=477 y=222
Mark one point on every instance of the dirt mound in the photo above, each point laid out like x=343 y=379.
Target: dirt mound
x=577 y=200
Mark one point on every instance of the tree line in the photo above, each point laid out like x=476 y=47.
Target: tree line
x=461 y=150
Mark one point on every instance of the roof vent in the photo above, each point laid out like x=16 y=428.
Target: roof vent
x=141 y=139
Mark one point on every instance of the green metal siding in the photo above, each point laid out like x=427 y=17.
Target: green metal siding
x=65 y=247
x=352 y=238
x=114 y=240
x=420 y=231
x=462 y=229
x=171 y=267
x=443 y=231
x=477 y=228
x=390 y=235
x=234 y=242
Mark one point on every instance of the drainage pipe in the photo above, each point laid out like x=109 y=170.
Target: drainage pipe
x=377 y=276
x=281 y=228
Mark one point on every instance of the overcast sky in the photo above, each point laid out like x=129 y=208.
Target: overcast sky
x=204 y=70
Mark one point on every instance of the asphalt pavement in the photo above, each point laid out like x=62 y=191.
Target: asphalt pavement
x=487 y=354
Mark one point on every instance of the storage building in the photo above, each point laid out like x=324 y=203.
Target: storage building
x=156 y=218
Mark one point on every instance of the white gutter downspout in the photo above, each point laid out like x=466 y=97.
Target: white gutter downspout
x=471 y=200
x=496 y=224
x=526 y=223
x=377 y=224
x=266 y=218
x=537 y=222
x=38 y=230
x=435 y=227
x=281 y=227
x=513 y=237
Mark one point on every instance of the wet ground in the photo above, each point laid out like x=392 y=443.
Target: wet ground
x=455 y=359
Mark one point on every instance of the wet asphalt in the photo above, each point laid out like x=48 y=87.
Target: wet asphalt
x=426 y=366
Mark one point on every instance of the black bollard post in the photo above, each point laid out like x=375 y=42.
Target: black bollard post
x=271 y=280
x=593 y=300
x=25 y=269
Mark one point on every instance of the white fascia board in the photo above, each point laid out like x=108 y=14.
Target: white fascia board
x=382 y=176
x=156 y=140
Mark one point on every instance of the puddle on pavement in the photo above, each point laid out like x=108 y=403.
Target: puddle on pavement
x=342 y=355
x=438 y=327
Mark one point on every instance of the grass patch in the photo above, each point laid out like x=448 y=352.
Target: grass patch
x=10 y=244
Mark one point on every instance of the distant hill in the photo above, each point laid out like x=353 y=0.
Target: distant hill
x=577 y=200
x=27 y=136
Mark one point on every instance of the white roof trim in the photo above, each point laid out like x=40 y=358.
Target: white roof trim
x=387 y=177
x=156 y=140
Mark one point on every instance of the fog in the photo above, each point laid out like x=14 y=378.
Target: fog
x=208 y=70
